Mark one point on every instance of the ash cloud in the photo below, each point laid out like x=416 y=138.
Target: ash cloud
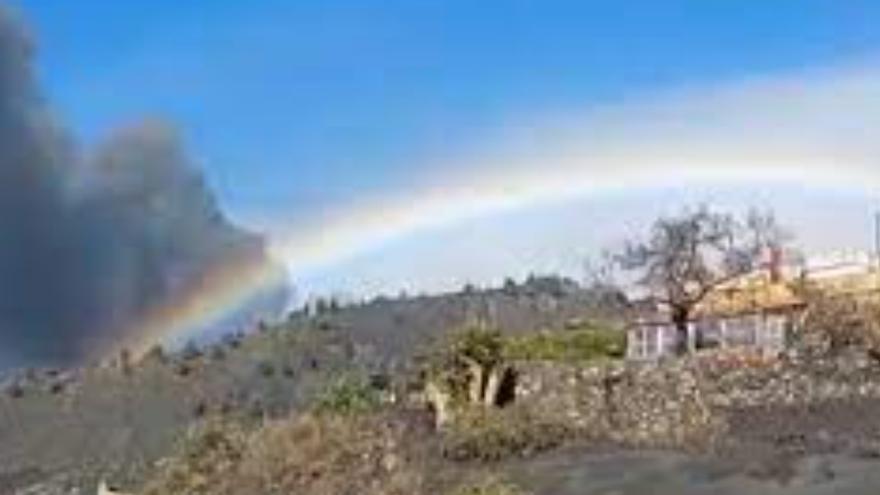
x=90 y=243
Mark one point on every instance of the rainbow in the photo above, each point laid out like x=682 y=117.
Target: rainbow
x=818 y=129
x=219 y=293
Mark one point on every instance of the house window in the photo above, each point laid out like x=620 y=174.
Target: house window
x=774 y=332
x=650 y=341
x=640 y=342
x=708 y=333
x=667 y=339
x=740 y=330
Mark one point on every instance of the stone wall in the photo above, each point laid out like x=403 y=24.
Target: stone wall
x=683 y=402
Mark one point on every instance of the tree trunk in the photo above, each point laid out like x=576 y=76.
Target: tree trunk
x=441 y=401
x=477 y=382
x=680 y=318
x=493 y=386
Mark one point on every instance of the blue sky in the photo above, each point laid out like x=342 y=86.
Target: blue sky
x=295 y=108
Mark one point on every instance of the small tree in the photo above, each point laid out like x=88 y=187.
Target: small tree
x=833 y=322
x=685 y=257
x=321 y=306
x=125 y=362
x=191 y=351
x=509 y=287
x=468 y=370
x=156 y=353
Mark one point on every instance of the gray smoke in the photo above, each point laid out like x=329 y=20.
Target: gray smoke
x=87 y=244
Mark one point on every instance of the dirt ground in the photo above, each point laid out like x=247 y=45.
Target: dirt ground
x=831 y=448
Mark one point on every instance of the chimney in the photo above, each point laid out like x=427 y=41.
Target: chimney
x=774 y=265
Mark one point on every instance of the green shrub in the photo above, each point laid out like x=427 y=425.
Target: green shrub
x=484 y=346
x=573 y=345
x=348 y=395
x=288 y=371
x=266 y=369
x=451 y=362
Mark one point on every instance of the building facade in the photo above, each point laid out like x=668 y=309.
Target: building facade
x=758 y=311
x=763 y=332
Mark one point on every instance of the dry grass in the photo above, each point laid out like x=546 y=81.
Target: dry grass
x=339 y=454
x=314 y=454
x=835 y=322
x=490 y=485
x=487 y=435
x=204 y=459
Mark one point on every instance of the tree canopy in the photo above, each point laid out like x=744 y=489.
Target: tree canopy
x=686 y=256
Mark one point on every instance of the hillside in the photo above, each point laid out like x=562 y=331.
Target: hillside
x=118 y=417
x=379 y=398
x=396 y=327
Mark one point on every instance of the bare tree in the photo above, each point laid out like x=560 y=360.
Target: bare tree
x=599 y=271
x=685 y=257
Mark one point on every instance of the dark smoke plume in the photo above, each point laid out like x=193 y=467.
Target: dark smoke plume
x=89 y=244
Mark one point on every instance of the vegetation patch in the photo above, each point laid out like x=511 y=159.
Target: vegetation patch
x=833 y=323
x=581 y=344
x=491 y=434
x=203 y=459
x=315 y=454
x=349 y=395
x=490 y=485
x=453 y=364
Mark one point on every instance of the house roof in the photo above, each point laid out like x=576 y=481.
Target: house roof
x=758 y=292
x=755 y=294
